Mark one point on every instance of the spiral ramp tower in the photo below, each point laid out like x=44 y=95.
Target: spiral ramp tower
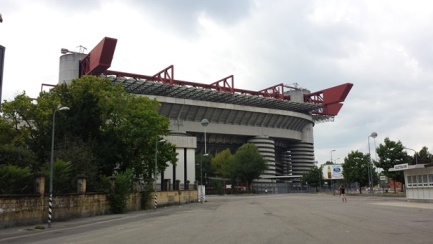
x=266 y=148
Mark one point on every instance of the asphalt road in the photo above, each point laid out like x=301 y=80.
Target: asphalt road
x=289 y=218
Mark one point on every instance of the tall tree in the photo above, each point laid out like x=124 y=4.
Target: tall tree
x=31 y=121
x=248 y=164
x=355 y=168
x=115 y=128
x=83 y=160
x=7 y=133
x=18 y=156
x=221 y=163
x=392 y=153
x=314 y=177
x=120 y=128
x=424 y=156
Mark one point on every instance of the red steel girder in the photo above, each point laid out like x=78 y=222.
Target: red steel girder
x=227 y=84
x=45 y=84
x=99 y=59
x=184 y=83
x=166 y=75
x=276 y=91
x=330 y=98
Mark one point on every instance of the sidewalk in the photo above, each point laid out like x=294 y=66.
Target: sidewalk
x=7 y=233
x=19 y=231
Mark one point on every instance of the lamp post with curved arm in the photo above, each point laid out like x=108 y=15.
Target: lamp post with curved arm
x=370 y=173
x=414 y=154
x=204 y=123
x=156 y=175
x=50 y=201
x=333 y=150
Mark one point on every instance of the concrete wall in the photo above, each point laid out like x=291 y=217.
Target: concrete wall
x=175 y=198
x=18 y=210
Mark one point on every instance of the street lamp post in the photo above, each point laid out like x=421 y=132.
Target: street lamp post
x=50 y=201
x=414 y=153
x=370 y=173
x=156 y=175
x=204 y=123
x=332 y=162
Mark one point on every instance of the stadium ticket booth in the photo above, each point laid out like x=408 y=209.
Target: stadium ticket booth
x=419 y=180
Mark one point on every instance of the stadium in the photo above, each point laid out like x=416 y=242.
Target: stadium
x=279 y=119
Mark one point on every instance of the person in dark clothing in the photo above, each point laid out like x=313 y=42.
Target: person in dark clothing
x=343 y=193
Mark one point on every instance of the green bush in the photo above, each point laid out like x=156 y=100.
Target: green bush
x=146 y=195
x=118 y=193
x=15 y=180
x=63 y=180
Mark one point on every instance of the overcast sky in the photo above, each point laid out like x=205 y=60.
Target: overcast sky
x=385 y=48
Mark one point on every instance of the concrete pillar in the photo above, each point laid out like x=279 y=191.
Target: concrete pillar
x=177 y=185
x=39 y=183
x=81 y=184
x=167 y=185
x=187 y=185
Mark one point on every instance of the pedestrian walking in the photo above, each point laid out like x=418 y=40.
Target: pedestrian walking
x=343 y=193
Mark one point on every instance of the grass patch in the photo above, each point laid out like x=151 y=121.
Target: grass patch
x=37 y=227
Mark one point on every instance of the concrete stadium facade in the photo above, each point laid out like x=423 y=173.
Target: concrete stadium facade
x=282 y=130
x=284 y=138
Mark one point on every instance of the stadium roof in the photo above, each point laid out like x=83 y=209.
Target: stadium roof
x=144 y=87
x=322 y=105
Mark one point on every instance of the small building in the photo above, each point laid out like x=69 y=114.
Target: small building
x=419 y=180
